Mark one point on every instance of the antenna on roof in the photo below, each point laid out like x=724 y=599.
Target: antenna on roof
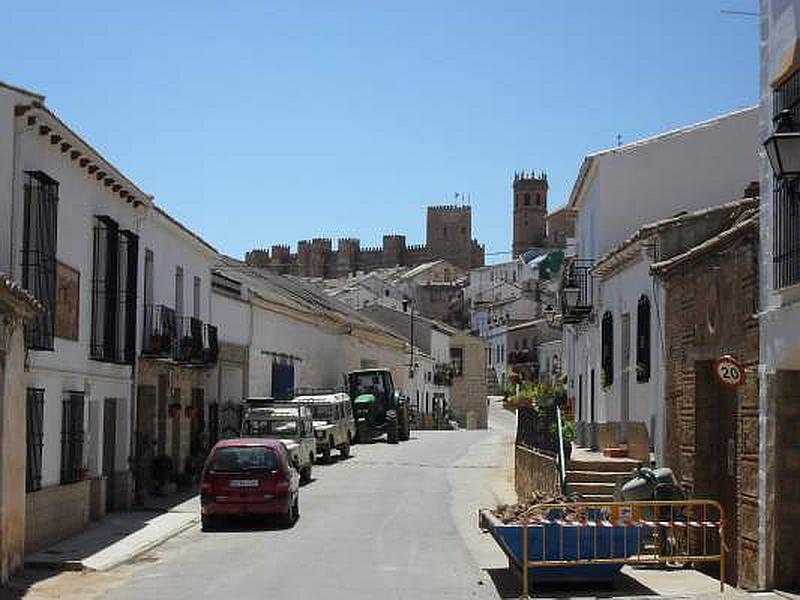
x=740 y=13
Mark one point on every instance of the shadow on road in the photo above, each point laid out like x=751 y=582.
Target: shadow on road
x=509 y=585
x=247 y=524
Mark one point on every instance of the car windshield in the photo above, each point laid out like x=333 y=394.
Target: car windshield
x=322 y=413
x=271 y=427
x=242 y=458
x=368 y=383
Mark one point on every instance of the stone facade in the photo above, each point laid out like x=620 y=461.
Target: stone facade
x=534 y=473
x=468 y=392
x=55 y=513
x=560 y=226
x=711 y=300
x=449 y=237
x=15 y=305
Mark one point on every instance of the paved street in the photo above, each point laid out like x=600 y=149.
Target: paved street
x=396 y=521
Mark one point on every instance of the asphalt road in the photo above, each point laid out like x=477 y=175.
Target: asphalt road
x=390 y=522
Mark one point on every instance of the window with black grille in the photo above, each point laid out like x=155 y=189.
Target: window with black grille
x=607 y=350
x=786 y=196
x=115 y=260
x=39 y=241
x=643 y=340
x=34 y=440
x=72 y=437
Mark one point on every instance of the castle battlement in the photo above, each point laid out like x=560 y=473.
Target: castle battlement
x=449 y=208
x=316 y=257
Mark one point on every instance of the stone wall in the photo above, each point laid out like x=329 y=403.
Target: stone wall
x=786 y=457
x=710 y=306
x=55 y=513
x=534 y=473
x=468 y=400
x=12 y=442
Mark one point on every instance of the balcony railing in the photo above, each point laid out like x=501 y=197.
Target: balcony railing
x=182 y=339
x=577 y=282
x=160 y=329
x=443 y=374
x=524 y=356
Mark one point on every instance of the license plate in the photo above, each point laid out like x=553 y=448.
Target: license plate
x=243 y=483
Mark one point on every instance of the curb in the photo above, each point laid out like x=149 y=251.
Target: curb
x=78 y=565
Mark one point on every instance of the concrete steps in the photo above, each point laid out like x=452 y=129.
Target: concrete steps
x=594 y=476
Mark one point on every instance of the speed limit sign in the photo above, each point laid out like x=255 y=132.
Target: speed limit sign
x=729 y=371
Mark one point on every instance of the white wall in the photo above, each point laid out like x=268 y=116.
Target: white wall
x=709 y=164
x=619 y=294
x=232 y=315
x=68 y=367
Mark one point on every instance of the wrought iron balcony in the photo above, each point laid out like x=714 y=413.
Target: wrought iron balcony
x=522 y=357
x=210 y=345
x=576 y=291
x=160 y=331
x=189 y=344
x=443 y=374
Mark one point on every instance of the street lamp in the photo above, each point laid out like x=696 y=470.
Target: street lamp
x=570 y=296
x=550 y=314
x=407 y=303
x=783 y=146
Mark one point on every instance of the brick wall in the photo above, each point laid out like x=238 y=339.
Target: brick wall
x=710 y=303
x=534 y=473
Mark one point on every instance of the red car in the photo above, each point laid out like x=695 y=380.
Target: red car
x=249 y=476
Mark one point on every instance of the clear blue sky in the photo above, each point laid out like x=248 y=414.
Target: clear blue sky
x=265 y=122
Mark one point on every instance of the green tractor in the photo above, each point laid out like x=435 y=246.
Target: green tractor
x=377 y=407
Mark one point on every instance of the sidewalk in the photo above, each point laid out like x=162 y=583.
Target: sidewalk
x=120 y=537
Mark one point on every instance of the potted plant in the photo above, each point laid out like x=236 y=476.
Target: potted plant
x=175 y=410
x=162 y=470
x=188 y=412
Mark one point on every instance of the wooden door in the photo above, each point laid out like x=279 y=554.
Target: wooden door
x=109 y=448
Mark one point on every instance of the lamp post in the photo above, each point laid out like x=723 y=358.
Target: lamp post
x=783 y=146
x=407 y=303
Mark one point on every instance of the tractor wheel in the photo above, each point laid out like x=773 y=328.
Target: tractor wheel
x=391 y=437
x=344 y=450
x=326 y=455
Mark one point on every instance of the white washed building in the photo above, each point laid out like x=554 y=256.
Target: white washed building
x=617 y=191
x=70 y=224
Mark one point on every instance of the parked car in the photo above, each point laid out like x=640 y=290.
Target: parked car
x=334 y=425
x=249 y=476
x=288 y=422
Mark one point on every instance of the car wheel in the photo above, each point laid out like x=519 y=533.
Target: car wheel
x=344 y=450
x=391 y=437
x=305 y=474
x=326 y=455
x=290 y=516
x=206 y=522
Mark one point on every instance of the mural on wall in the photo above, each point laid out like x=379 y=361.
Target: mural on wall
x=67 y=301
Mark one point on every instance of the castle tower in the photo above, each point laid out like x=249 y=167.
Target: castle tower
x=530 y=212
x=347 y=256
x=304 y=258
x=394 y=250
x=320 y=257
x=449 y=234
x=280 y=262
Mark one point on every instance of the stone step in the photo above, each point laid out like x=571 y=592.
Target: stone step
x=597 y=497
x=591 y=489
x=617 y=465
x=595 y=476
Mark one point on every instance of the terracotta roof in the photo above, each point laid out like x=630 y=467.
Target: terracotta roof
x=747 y=221
x=618 y=255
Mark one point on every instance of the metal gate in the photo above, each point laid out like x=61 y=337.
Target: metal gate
x=655 y=532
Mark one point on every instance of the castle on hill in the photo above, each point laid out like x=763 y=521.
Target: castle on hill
x=448 y=237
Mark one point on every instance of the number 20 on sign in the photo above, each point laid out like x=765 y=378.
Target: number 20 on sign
x=729 y=371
